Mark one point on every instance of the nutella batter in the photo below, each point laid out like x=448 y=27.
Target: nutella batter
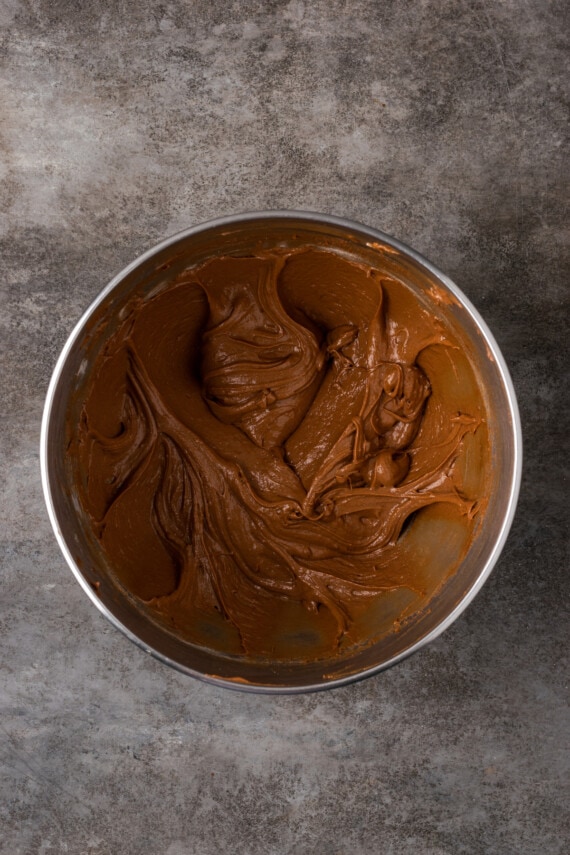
x=265 y=444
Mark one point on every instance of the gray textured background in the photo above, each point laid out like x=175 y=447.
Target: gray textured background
x=441 y=123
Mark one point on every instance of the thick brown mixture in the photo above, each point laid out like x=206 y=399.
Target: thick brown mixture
x=255 y=438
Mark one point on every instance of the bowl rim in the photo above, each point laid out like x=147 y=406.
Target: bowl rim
x=376 y=235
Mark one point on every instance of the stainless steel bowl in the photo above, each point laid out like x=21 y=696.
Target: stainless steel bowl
x=145 y=274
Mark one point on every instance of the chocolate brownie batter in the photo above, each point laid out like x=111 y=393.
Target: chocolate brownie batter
x=266 y=443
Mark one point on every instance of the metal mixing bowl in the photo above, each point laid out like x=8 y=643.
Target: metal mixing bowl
x=148 y=273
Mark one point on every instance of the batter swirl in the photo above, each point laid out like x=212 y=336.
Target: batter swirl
x=251 y=440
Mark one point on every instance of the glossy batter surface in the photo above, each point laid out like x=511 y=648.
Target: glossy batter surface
x=254 y=440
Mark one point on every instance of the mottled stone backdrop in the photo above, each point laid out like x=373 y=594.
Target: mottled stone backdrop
x=438 y=121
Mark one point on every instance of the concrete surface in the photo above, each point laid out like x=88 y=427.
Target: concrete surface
x=441 y=123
